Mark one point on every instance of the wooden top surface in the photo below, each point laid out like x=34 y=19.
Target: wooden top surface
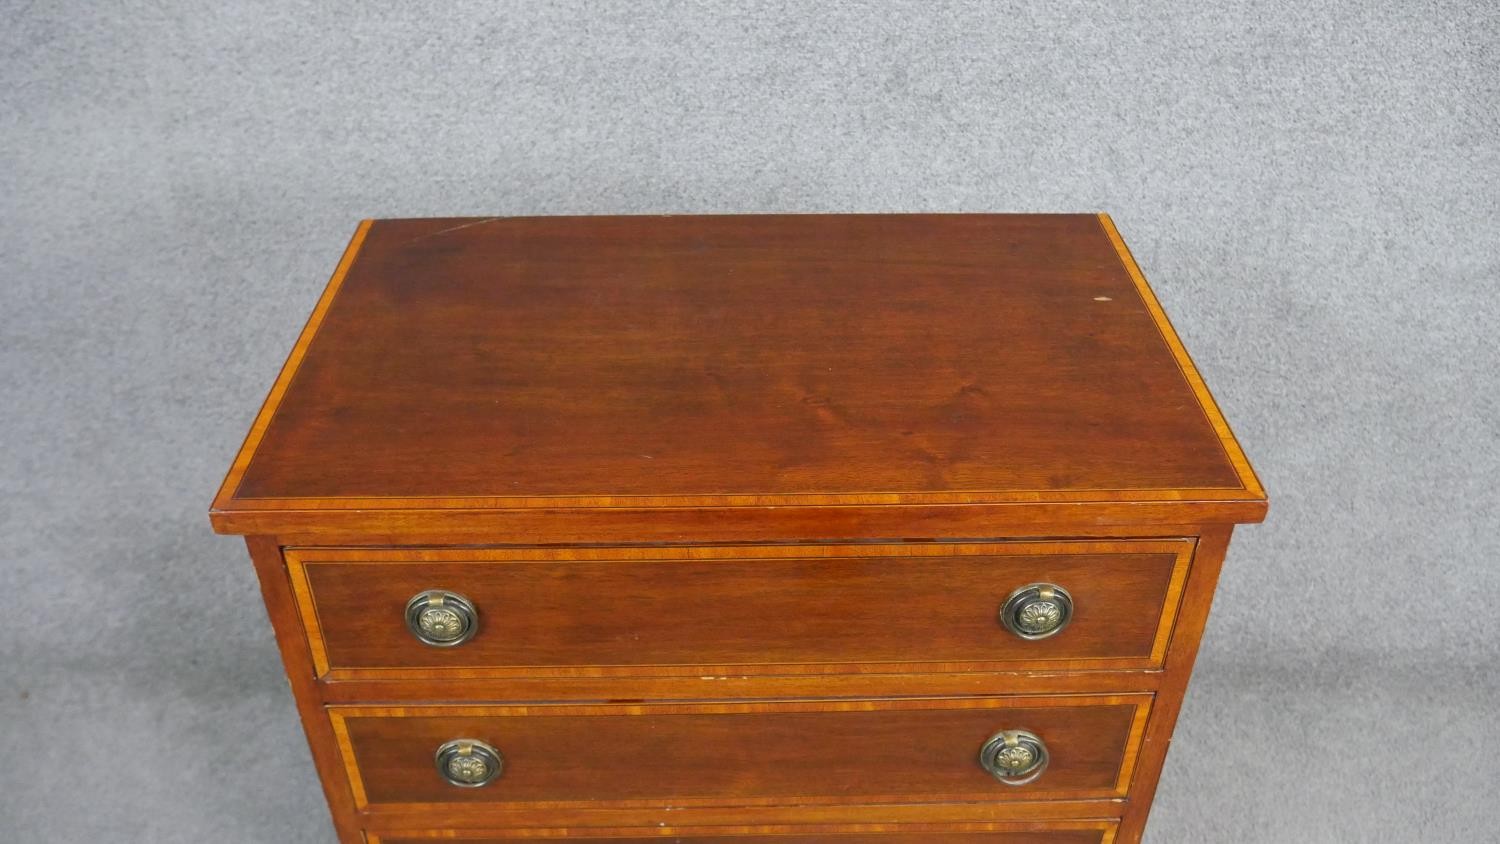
x=730 y=361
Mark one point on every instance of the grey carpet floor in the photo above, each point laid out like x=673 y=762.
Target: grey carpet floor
x=1313 y=187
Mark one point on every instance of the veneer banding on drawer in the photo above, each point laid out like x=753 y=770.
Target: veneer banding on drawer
x=762 y=609
x=618 y=756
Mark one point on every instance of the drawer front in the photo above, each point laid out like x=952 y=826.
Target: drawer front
x=1059 y=832
x=626 y=756
x=743 y=610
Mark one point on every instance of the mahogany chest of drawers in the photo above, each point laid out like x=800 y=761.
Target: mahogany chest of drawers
x=865 y=529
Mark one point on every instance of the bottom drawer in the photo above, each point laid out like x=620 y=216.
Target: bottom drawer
x=1056 y=832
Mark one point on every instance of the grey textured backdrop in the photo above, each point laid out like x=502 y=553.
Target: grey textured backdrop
x=1313 y=187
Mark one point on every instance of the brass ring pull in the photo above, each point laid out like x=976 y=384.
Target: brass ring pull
x=1014 y=757
x=441 y=618
x=1037 y=611
x=469 y=763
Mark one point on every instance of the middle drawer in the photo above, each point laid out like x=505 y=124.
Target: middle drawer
x=622 y=756
x=774 y=609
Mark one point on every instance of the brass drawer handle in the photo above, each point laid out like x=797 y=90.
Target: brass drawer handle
x=441 y=618
x=469 y=763
x=1014 y=757
x=1037 y=611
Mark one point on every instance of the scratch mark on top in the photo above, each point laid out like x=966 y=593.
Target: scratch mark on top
x=469 y=224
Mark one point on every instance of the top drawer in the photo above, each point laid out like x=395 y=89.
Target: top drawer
x=805 y=609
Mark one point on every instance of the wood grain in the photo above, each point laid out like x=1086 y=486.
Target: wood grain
x=1198 y=599
x=295 y=658
x=805 y=753
x=691 y=362
x=870 y=681
x=289 y=369
x=385 y=819
x=425 y=525
x=738 y=499
x=683 y=611
x=1211 y=411
x=1057 y=832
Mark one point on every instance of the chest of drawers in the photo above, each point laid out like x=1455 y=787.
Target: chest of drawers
x=853 y=528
